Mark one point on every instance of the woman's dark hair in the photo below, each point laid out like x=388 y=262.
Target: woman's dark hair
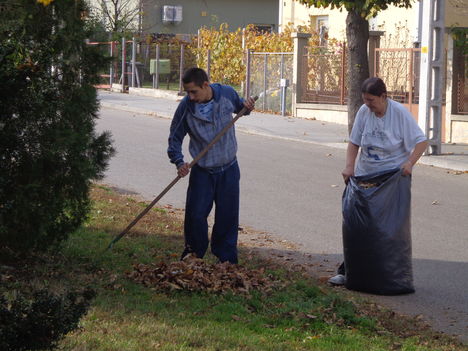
x=195 y=75
x=374 y=86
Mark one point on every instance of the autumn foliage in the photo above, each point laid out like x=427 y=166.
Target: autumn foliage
x=228 y=49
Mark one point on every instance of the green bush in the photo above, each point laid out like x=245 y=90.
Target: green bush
x=49 y=150
x=40 y=322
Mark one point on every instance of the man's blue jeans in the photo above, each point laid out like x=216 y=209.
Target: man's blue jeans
x=207 y=186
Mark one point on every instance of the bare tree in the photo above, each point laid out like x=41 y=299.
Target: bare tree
x=118 y=16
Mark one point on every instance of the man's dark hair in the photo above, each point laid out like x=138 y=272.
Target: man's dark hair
x=195 y=75
x=374 y=86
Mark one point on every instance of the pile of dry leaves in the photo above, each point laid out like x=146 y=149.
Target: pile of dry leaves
x=193 y=274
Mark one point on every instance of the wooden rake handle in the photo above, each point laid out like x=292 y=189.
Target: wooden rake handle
x=176 y=179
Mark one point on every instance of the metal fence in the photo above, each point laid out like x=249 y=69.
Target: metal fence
x=324 y=80
x=161 y=65
x=269 y=75
x=399 y=69
x=147 y=65
x=460 y=82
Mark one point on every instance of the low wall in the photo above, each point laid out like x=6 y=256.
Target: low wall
x=116 y=88
x=459 y=129
x=322 y=112
x=456 y=131
x=157 y=93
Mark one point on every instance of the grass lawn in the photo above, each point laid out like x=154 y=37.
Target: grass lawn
x=297 y=313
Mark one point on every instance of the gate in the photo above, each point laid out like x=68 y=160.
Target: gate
x=399 y=69
x=268 y=76
x=324 y=80
x=460 y=82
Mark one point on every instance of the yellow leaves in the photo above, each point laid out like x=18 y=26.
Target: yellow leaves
x=45 y=2
x=227 y=49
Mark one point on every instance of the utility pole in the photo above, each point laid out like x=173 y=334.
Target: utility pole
x=431 y=72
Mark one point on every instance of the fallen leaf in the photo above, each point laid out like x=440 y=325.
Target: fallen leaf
x=194 y=274
x=323 y=279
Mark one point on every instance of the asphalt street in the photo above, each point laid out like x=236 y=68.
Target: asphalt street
x=292 y=189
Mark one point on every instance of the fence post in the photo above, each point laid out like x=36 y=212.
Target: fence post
x=124 y=58
x=133 y=61
x=247 y=76
x=208 y=63
x=374 y=43
x=452 y=94
x=265 y=82
x=198 y=45
x=181 y=68
x=111 y=68
x=156 y=73
x=283 y=87
x=343 y=73
x=410 y=79
x=300 y=42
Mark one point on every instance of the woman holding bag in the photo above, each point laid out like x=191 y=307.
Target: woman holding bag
x=388 y=137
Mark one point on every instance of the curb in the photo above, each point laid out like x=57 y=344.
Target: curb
x=434 y=161
x=247 y=130
x=139 y=110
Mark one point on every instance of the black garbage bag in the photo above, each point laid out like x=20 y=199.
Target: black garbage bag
x=377 y=233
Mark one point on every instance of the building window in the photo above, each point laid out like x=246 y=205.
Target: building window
x=264 y=28
x=171 y=14
x=322 y=29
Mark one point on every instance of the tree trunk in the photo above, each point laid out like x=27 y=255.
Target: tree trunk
x=357 y=35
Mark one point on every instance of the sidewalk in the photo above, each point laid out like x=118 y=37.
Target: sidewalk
x=454 y=157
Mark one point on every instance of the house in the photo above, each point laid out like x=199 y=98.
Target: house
x=187 y=16
x=395 y=28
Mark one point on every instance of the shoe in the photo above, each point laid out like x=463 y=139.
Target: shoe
x=338 y=279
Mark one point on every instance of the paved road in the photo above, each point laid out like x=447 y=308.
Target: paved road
x=293 y=191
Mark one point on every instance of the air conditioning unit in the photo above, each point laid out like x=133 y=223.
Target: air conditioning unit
x=171 y=14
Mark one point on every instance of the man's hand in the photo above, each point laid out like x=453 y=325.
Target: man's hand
x=183 y=170
x=347 y=172
x=249 y=103
x=407 y=168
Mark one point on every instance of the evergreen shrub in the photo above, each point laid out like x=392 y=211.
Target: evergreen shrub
x=40 y=321
x=49 y=149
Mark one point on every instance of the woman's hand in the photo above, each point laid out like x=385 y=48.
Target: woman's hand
x=347 y=172
x=183 y=170
x=351 y=154
x=419 y=149
x=407 y=168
